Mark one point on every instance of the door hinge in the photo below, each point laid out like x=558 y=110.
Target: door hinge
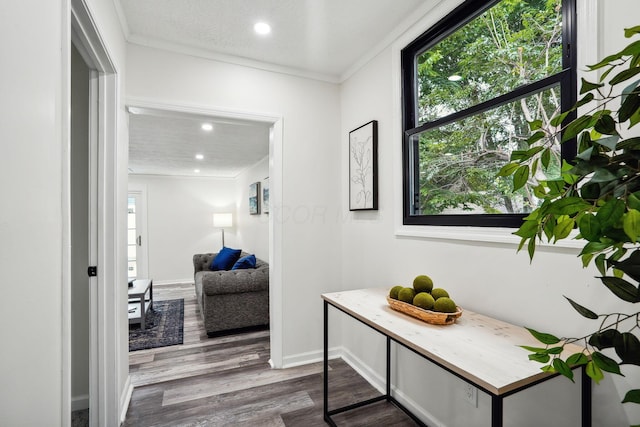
x=92 y=271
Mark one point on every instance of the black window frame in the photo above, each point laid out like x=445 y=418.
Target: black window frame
x=461 y=15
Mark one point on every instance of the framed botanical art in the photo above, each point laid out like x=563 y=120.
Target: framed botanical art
x=363 y=167
x=254 y=198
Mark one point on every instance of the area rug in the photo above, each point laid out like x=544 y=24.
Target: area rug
x=164 y=326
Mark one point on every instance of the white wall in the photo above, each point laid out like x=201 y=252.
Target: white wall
x=310 y=199
x=34 y=222
x=180 y=221
x=31 y=220
x=252 y=230
x=485 y=277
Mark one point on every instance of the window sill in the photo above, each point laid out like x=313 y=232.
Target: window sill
x=478 y=234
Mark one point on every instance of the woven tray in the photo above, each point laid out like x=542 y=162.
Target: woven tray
x=433 y=317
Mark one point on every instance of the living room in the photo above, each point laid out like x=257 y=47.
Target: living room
x=315 y=231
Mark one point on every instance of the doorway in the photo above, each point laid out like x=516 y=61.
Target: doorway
x=137 y=248
x=275 y=140
x=96 y=206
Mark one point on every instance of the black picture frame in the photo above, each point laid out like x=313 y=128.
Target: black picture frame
x=363 y=167
x=254 y=198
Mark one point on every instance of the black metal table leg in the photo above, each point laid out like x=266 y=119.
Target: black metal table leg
x=585 y=404
x=388 y=368
x=325 y=368
x=496 y=411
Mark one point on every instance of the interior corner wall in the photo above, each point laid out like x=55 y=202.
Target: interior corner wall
x=309 y=214
x=489 y=278
x=253 y=229
x=180 y=221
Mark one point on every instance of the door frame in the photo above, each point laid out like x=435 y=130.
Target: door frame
x=104 y=347
x=276 y=323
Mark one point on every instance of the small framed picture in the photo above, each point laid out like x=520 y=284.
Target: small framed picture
x=363 y=167
x=265 y=196
x=254 y=198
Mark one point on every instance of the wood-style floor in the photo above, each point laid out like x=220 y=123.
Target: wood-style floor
x=227 y=381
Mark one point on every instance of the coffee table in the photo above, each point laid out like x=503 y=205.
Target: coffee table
x=140 y=301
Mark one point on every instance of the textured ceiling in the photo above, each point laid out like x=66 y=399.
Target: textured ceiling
x=320 y=37
x=166 y=143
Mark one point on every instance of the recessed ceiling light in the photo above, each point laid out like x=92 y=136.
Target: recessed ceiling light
x=262 y=28
x=199 y=156
x=455 y=78
x=196 y=170
x=207 y=126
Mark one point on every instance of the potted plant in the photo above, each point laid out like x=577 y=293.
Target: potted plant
x=598 y=195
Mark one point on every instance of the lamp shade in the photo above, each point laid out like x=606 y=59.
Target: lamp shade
x=222 y=220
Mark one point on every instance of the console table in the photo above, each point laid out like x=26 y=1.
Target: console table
x=476 y=349
x=140 y=301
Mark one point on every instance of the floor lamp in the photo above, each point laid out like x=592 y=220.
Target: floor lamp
x=222 y=220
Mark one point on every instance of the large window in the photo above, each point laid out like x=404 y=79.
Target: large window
x=471 y=86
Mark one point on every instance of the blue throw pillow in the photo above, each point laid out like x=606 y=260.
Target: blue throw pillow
x=248 y=261
x=225 y=259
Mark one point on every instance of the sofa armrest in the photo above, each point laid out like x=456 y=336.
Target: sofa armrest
x=235 y=281
x=201 y=262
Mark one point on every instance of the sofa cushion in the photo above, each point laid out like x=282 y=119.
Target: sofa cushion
x=248 y=261
x=225 y=259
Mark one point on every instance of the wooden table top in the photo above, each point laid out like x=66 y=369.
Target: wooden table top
x=479 y=348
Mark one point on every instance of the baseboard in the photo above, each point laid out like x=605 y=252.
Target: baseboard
x=78 y=403
x=172 y=282
x=125 y=399
x=310 y=357
x=379 y=383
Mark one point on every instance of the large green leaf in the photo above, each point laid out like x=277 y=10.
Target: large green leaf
x=594 y=372
x=630 y=32
x=568 y=206
x=577 y=359
x=632 y=396
x=606 y=125
x=576 y=126
x=527 y=229
x=621 y=288
x=604 y=339
x=587 y=86
x=561 y=366
x=627 y=348
x=610 y=142
x=508 y=169
x=563 y=229
x=605 y=363
x=520 y=177
x=624 y=75
x=631 y=224
x=590 y=228
x=582 y=310
x=629 y=107
x=610 y=213
x=630 y=265
x=544 y=337
x=540 y=357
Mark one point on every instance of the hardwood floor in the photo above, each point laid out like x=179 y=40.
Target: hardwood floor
x=227 y=381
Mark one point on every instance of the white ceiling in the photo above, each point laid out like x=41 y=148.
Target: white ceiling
x=321 y=39
x=166 y=143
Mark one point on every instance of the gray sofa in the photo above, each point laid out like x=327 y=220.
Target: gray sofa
x=234 y=299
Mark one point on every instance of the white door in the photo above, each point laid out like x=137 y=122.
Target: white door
x=136 y=235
